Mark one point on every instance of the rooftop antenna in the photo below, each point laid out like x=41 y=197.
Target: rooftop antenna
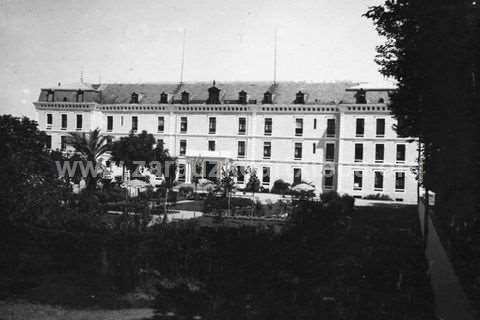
x=81 y=74
x=183 y=55
x=275 y=59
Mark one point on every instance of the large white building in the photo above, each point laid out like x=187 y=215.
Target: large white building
x=336 y=136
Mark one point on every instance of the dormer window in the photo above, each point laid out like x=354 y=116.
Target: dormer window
x=50 y=95
x=185 y=97
x=300 y=98
x=267 y=98
x=213 y=95
x=163 y=97
x=361 y=97
x=242 y=97
x=79 y=96
x=134 y=98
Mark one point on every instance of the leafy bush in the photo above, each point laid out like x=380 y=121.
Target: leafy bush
x=329 y=196
x=378 y=196
x=221 y=203
x=280 y=187
x=303 y=194
x=186 y=192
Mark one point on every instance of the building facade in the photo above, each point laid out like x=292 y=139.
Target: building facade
x=336 y=136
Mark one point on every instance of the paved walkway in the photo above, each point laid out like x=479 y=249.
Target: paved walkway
x=451 y=303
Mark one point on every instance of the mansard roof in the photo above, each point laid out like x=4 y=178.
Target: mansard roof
x=72 y=86
x=283 y=92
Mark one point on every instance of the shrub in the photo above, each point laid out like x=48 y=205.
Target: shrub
x=378 y=196
x=348 y=203
x=280 y=187
x=329 y=196
x=221 y=203
x=186 y=191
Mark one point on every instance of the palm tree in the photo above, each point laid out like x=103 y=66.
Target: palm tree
x=91 y=147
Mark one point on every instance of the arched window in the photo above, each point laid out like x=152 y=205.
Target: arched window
x=185 y=97
x=163 y=97
x=242 y=97
x=134 y=98
x=300 y=98
x=267 y=98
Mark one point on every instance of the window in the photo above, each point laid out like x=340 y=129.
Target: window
x=79 y=122
x=330 y=152
x=242 y=97
x=183 y=124
x=163 y=97
x=242 y=125
x=400 y=153
x=358 y=152
x=380 y=127
x=109 y=123
x=211 y=145
x=360 y=128
x=134 y=98
x=379 y=152
x=357 y=180
x=212 y=125
x=266 y=175
x=400 y=181
x=48 y=142
x=267 y=98
x=331 y=128
x=161 y=124
x=268 y=126
x=378 y=181
x=121 y=121
x=63 y=143
x=298 y=151
x=183 y=147
x=300 y=98
x=64 y=121
x=50 y=95
x=328 y=179
x=240 y=174
x=298 y=127
x=314 y=150
x=241 y=149
x=297 y=176
x=49 y=120
x=267 y=150
x=315 y=123
x=185 y=97
x=79 y=96
x=134 y=123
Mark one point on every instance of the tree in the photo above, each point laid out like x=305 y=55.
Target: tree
x=227 y=183
x=433 y=50
x=130 y=150
x=90 y=147
x=30 y=185
x=253 y=184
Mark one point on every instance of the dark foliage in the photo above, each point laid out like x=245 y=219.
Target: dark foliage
x=433 y=50
x=280 y=187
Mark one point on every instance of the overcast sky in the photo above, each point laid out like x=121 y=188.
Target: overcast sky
x=43 y=42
